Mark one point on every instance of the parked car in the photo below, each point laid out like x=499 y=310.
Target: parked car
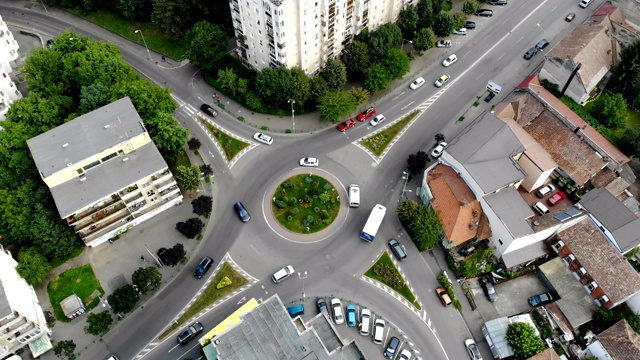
x=570 y=16
x=242 y=212
x=379 y=119
x=367 y=114
x=296 y=310
x=462 y=31
x=416 y=83
x=545 y=190
x=556 y=198
x=352 y=315
x=442 y=80
x=472 y=349
x=346 y=125
x=540 y=299
x=488 y=288
x=336 y=308
x=203 y=267
x=484 y=12
x=321 y=304
x=529 y=54
x=542 y=44
x=365 y=321
x=450 y=60
x=378 y=331
x=397 y=249
x=263 y=138
x=207 y=109
x=438 y=150
x=393 y=345
x=540 y=208
x=190 y=333
x=443 y=43
x=309 y=162
x=180 y=227
x=499 y=3
x=282 y=274
x=165 y=256
x=489 y=96
x=404 y=355
x=444 y=297
x=471 y=25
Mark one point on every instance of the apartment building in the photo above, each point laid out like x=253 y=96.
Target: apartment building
x=22 y=322
x=303 y=33
x=104 y=172
x=8 y=56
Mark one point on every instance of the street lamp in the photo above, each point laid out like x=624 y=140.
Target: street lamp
x=105 y=303
x=302 y=278
x=145 y=43
x=293 y=111
x=541 y=28
x=405 y=177
x=403 y=41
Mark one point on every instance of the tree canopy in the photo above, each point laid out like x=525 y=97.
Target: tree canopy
x=357 y=59
x=202 y=205
x=443 y=24
x=627 y=79
x=336 y=105
x=32 y=266
x=98 y=323
x=425 y=39
x=123 y=299
x=523 y=339
x=146 y=279
x=335 y=74
x=207 y=45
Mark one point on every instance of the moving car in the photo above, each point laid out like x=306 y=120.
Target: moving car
x=207 y=109
x=242 y=212
x=489 y=290
x=378 y=331
x=484 y=12
x=499 y=3
x=438 y=150
x=472 y=349
x=405 y=355
x=444 y=297
x=556 y=198
x=352 y=315
x=393 y=345
x=416 y=83
x=365 y=321
x=450 y=60
x=263 y=138
x=336 y=307
x=529 y=54
x=282 y=274
x=203 y=267
x=191 y=332
x=570 y=16
x=379 y=119
x=540 y=299
x=462 y=31
x=344 y=126
x=545 y=190
x=542 y=44
x=443 y=43
x=309 y=162
x=397 y=249
x=442 y=80
x=366 y=114
x=321 y=304
x=471 y=25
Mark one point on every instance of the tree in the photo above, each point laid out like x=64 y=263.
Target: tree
x=94 y=96
x=627 y=73
x=65 y=348
x=409 y=21
x=610 y=110
x=32 y=266
x=207 y=45
x=172 y=16
x=437 y=6
x=194 y=144
x=630 y=142
x=206 y=170
x=98 y=323
x=407 y=210
x=383 y=39
x=357 y=59
x=177 y=253
x=524 y=341
x=470 y=7
x=202 y=205
x=299 y=87
x=439 y=137
x=360 y=95
x=335 y=105
x=166 y=133
x=228 y=80
x=135 y=9
x=425 y=39
x=416 y=163
x=425 y=14
x=146 y=279
x=378 y=78
x=335 y=74
x=318 y=87
x=459 y=20
x=425 y=229
x=187 y=177
x=123 y=299
x=274 y=85
x=397 y=63
x=442 y=24
x=192 y=228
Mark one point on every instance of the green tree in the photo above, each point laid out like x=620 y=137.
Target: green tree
x=416 y=163
x=383 y=39
x=627 y=79
x=378 y=78
x=52 y=237
x=335 y=74
x=172 y=16
x=397 y=63
x=194 y=144
x=407 y=210
x=65 y=348
x=610 y=110
x=299 y=88
x=425 y=39
x=166 y=133
x=425 y=14
x=443 y=24
x=135 y=9
x=192 y=227
x=228 y=80
x=187 y=177
x=524 y=341
x=318 y=87
x=630 y=142
x=207 y=45
x=425 y=229
x=202 y=205
x=409 y=19
x=437 y=5
x=32 y=266
x=470 y=7
x=274 y=85
x=146 y=279
x=335 y=105
x=459 y=20
x=123 y=299
x=98 y=323
x=94 y=96
x=360 y=95
x=357 y=59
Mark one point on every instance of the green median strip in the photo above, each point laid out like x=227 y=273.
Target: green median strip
x=386 y=272
x=230 y=145
x=379 y=142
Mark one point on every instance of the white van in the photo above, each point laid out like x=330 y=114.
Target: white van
x=540 y=208
x=354 y=195
x=378 y=331
x=584 y=3
x=493 y=87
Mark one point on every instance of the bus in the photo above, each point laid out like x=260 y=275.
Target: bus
x=373 y=223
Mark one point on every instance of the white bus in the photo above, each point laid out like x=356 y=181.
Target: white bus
x=373 y=223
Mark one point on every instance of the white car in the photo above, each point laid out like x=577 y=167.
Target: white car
x=437 y=152
x=309 y=162
x=462 y=31
x=336 y=308
x=365 y=321
x=404 y=355
x=443 y=43
x=416 y=83
x=450 y=60
x=442 y=80
x=377 y=120
x=472 y=349
x=263 y=138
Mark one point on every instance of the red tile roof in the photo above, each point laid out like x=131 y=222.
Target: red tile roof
x=605 y=10
x=547 y=354
x=621 y=342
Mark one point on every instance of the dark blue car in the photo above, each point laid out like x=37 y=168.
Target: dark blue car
x=242 y=212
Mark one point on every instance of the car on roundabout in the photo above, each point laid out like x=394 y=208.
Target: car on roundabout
x=417 y=83
x=352 y=315
x=242 y=212
x=398 y=249
x=450 y=60
x=263 y=138
x=442 y=80
x=309 y=162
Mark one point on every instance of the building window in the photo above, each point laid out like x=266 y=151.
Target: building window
x=92 y=165
x=111 y=156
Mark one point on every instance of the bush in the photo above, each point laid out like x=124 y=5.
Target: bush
x=389 y=275
x=224 y=282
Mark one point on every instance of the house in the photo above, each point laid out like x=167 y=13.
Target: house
x=584 y=57
x=546 y=354
x=22 y=322
x=619 y=342
x=8 y=56
x=104 y=172
x=495 y=333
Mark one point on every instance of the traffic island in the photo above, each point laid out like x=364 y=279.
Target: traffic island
x=231 y=146
x=385 y=272
x=378 y=142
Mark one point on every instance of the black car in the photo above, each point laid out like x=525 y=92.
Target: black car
x=180 y=227
x=484 y=12
x=540 y=299
x=191 y=332
x=529 y=54
x=489 y=290
x=321 y=303
x=203 y=267
x=242 y=212
x=390 y=352
x=165 y=256
x=499 y=3
x=207 y=109
x=398 y=249
x=471 y=25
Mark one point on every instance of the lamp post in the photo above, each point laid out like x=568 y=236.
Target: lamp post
x=541 y=28
x=105 y=303
x=405 y=177
x=293 y=111
x=403 y=41
x=145 y=43
x=302 y=278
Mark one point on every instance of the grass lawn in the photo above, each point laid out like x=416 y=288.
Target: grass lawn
x=381 y=140
x=230 y=145
x=404 y=290
x=155 y=38
x=81 y=281
x=302 y=198
x=210 y=295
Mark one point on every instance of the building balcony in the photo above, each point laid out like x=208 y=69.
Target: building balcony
x=281 y=45
x=105 y=204
x=98 y=216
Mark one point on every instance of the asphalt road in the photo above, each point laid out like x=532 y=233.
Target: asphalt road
x=492 y=52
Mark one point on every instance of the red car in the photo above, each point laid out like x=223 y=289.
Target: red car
x=347 y=125
x=570 y=17
x=367 y=114
x=556 y=198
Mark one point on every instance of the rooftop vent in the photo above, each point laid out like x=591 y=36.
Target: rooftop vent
x=125 y=159
x=65 y=145
x=107 y=126
x=83 y=179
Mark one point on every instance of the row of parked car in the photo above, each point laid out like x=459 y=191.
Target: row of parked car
x=363 y=116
